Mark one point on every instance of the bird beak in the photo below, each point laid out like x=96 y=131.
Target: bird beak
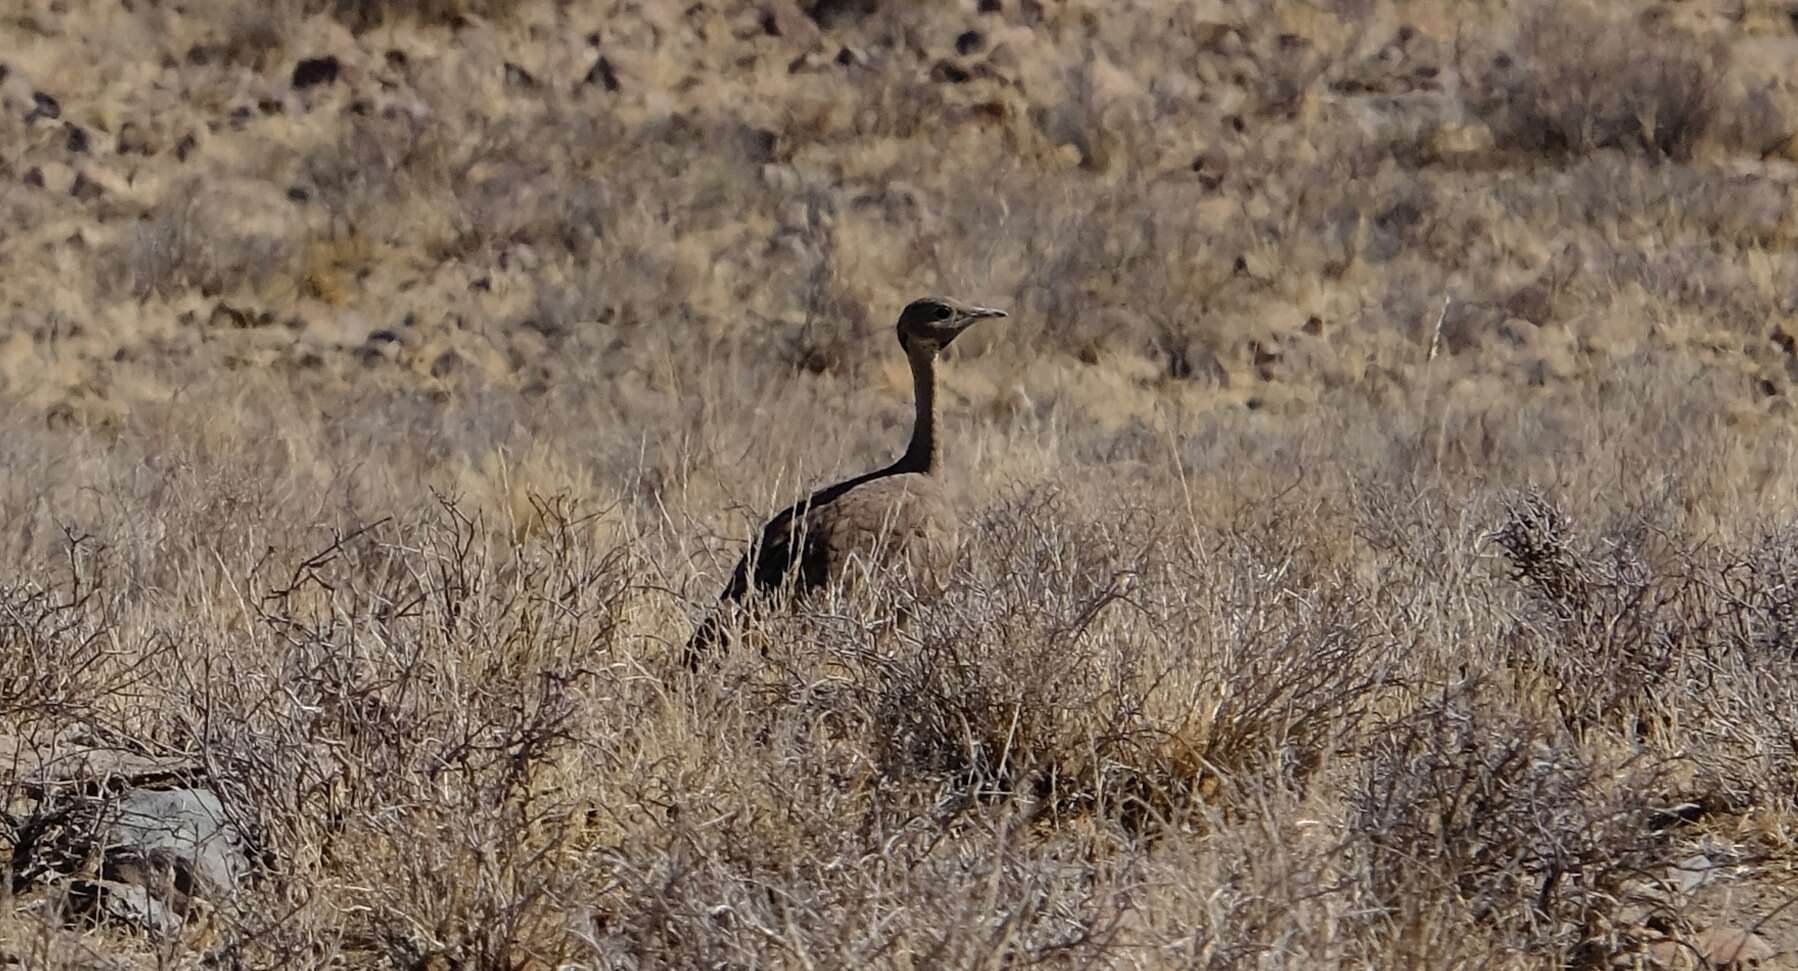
x=976 y=313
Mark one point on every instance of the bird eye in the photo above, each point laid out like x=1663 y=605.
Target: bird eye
x=942 y=313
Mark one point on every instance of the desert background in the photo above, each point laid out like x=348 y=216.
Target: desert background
x=1378 y=509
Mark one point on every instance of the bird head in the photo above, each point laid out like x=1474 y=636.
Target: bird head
x=931 y=323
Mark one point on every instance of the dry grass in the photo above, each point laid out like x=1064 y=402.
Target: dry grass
x=375 y=444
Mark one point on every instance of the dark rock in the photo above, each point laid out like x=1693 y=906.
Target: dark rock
x=397 y=59
x=34 y=177
x=1400 y=216
x=761 y=145
x=1211 y=168
x=989 y=6
x=1187 y=360
x=1785 y=340
x=313 y=71
x=43 y=106
x=85 y=189
x=298 y=193
x=969 y=42
x=603 y=74
x=133 y=140
x=830 y=13
x=446 y=364
x=224 y=315
x=185 y=146
x=77 y=141
x=949 y=72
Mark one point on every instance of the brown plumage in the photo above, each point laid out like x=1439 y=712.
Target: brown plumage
x=897 y=516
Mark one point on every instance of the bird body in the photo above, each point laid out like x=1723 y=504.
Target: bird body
x=897 y=517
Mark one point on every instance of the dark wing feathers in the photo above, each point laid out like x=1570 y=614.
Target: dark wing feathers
x=810 y=540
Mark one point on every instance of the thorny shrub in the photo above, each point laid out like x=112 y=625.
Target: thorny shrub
x=1580 y=82
x=415 y=709
x=1526 y=832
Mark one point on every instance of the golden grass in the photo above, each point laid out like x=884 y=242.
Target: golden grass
x=1277 y=641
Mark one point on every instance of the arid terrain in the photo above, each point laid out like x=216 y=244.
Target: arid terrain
x=1380 y=508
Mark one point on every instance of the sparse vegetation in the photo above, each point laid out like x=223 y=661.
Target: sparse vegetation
x=1379 y=513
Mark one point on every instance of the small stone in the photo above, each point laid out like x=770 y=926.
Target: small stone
x=1785 y=341
x=84 y=188
x=969 y=42
x=446 y=364
x=51 y=177
x=518 y=77
x=313 y=71
x=603 y=74
x=226 y=316
x=949 y=72
x=43 y=106
x=1210 y=168
x=134 y=140
x=77 y=141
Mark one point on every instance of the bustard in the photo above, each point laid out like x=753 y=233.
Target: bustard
x=894 y=516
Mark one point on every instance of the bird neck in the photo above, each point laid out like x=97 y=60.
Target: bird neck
x=921 y=455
